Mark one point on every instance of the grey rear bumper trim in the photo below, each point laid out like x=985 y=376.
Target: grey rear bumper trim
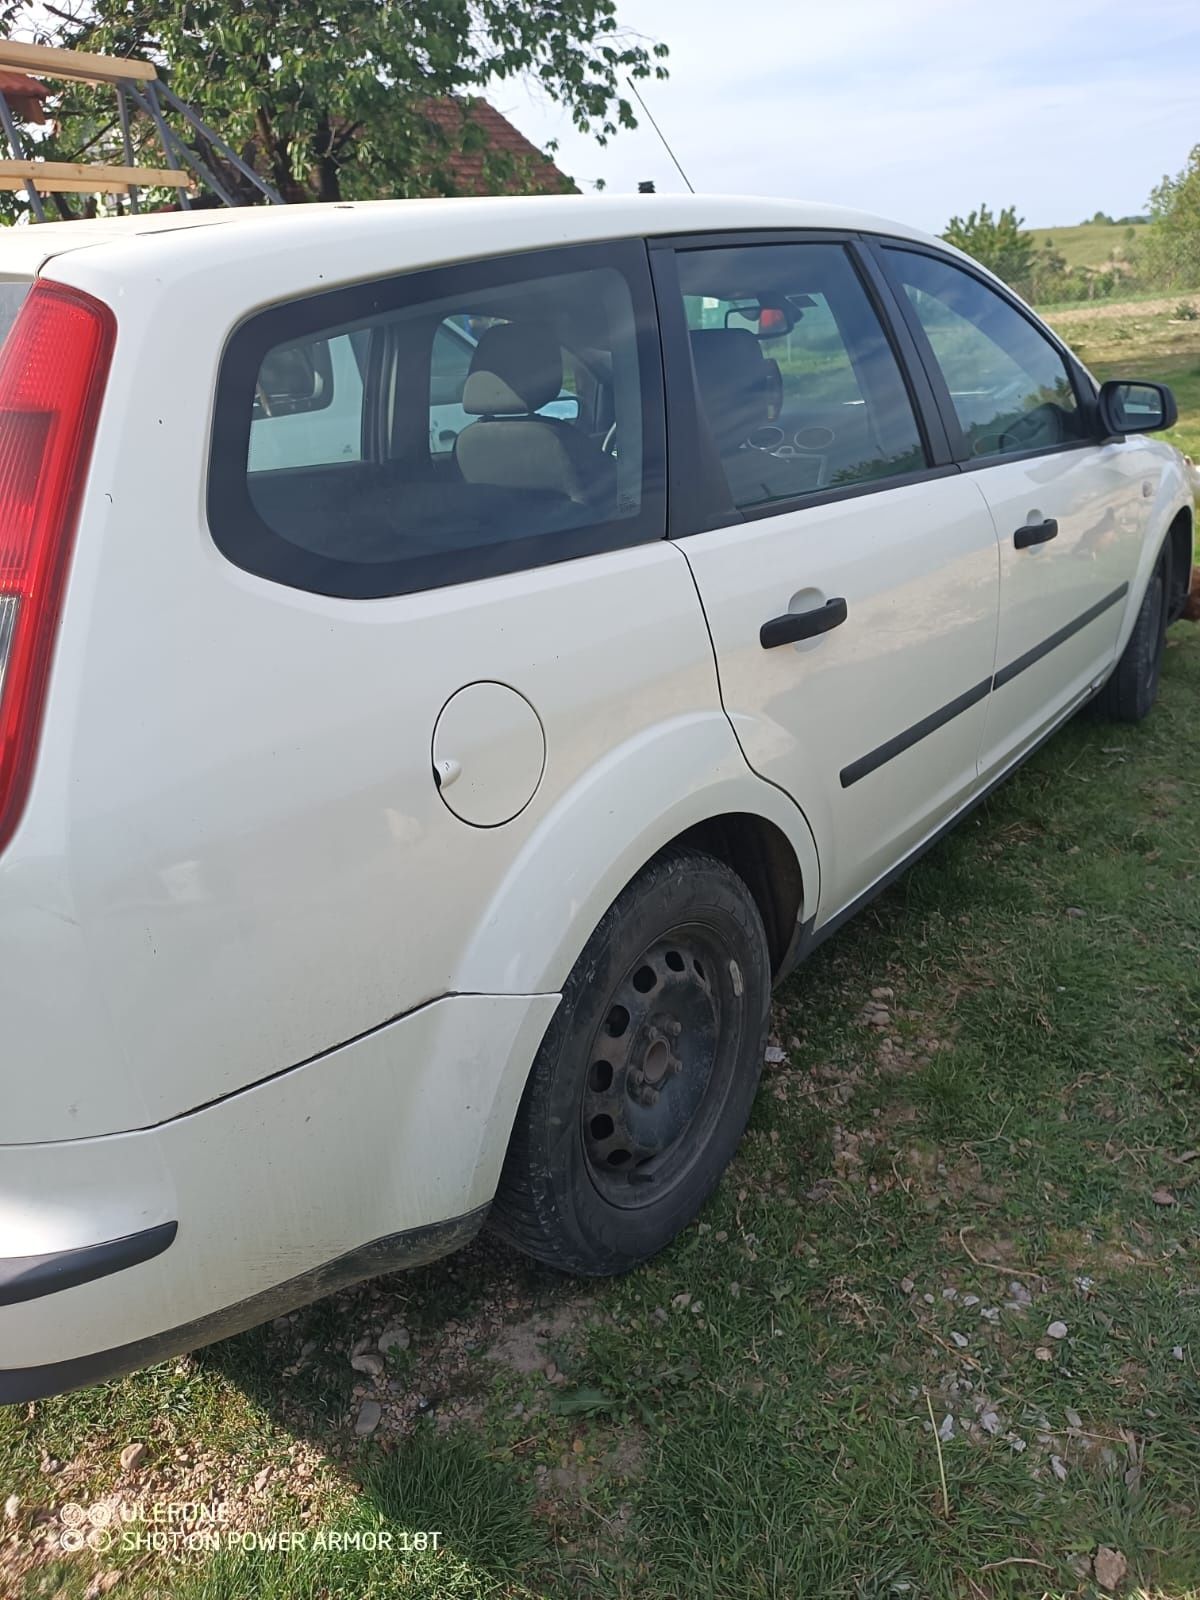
x=395 y=1252
x=30 y=1277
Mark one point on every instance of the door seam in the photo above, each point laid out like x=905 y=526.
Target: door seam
x=677 y=544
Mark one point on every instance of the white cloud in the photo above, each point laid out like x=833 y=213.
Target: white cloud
x=916 y=110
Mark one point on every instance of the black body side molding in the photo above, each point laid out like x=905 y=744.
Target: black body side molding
x=808 y=937
x=30 y=1277
x=1076 y=625
x=919 y=730
x=936 y=719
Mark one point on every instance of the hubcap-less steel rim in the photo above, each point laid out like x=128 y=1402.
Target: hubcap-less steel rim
x=658 y=1066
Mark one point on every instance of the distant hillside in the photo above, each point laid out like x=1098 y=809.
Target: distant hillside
x=1093 y=244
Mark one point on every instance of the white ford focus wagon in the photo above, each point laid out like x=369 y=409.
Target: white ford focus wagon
x=454 y=656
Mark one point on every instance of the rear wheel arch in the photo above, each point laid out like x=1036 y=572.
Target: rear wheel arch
x=763 y=857
x=781 y=880
x=645 y=1077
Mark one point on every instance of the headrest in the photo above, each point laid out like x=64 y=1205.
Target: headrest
x=732 y=374
x=516 y=369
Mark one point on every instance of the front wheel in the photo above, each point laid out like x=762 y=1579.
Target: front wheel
x=1133 y=687
x=643 y=1084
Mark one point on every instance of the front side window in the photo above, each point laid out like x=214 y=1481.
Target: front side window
x=1009 y=385
x=795 y=378
x=443 y=426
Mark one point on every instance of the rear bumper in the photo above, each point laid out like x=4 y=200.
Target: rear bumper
x=126 y=1249
x=402 y=1250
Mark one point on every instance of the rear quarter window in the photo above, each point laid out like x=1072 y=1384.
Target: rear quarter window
x=443 y=426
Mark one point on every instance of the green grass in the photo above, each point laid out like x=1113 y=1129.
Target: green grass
x=1142 y=339
x=748 y=1416
x=1090 y=244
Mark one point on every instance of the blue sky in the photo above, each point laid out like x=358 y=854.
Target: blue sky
x=916 y=109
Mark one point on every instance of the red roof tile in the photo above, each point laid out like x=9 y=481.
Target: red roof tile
x=486 y=132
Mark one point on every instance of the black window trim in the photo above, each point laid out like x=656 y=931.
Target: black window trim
x=251 y=544
x=699 y=499
x=880 y=247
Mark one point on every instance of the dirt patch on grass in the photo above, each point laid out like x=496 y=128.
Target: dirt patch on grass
x=1106 y=311
x=526 y=1346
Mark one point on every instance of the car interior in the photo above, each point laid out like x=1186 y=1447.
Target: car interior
x=1009 y=387
x=799 y=387
x=546 y=436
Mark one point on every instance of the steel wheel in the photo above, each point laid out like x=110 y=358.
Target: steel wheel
x=651 y=1067
x=646 y=1074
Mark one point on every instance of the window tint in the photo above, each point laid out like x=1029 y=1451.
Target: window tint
x=443 y=426
x=308 y=401
x=1009 y=385
x=795 y=377
x=453 y=347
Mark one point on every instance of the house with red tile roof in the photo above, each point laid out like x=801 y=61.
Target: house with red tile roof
x=476 y=151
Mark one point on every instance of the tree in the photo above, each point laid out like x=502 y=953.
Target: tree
x=329 y=99
x=1172 y=247
x=996 y=243
x=1050 y=278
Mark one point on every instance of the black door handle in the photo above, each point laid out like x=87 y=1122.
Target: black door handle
x=795 y=625
x=1035 y=533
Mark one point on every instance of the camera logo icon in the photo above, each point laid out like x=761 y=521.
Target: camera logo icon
x=86 y=1525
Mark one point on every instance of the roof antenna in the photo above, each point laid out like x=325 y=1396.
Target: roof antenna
x=661 y=134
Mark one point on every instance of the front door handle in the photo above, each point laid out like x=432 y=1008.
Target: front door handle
x=795 y=625
x=1035 y=533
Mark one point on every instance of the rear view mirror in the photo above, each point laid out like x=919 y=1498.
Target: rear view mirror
x=763 y=321
x=1133 y=405
x=294 y=378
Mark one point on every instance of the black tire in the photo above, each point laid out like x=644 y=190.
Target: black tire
x=1132 y=688
x=643 y=1083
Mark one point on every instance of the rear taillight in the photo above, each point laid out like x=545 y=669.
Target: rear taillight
x=53 y=367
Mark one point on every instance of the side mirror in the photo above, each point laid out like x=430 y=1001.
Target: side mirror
x=564 y=409
x=294 y=378
x=1132 y=405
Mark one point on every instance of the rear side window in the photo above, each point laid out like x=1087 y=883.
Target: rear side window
x=443 y=426
x=1008 y=384
x=795 y=377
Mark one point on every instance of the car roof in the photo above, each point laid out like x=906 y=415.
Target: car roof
x=516 y=222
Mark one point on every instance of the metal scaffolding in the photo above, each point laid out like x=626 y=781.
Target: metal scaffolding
x=138 y=89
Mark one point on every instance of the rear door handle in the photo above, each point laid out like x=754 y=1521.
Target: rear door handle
x=1035 y=533
x=795 y=625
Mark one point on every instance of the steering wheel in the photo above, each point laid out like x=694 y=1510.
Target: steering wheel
x=1029 y=430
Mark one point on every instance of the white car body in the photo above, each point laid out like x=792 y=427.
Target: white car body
x=266 y=999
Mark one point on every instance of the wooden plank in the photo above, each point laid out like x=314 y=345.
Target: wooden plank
x=57 y=186
x=91 y=175
x=77 y=65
